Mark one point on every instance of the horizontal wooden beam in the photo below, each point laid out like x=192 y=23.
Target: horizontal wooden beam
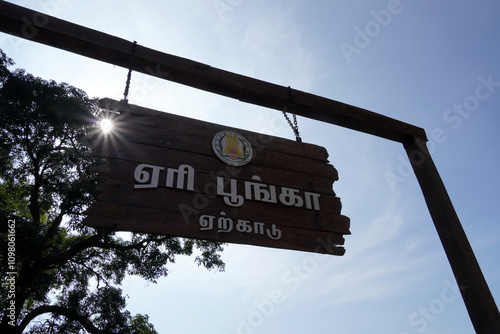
x=45 y=29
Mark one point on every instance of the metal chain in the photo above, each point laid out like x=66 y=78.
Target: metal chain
x=294 y=125
x=131 y=64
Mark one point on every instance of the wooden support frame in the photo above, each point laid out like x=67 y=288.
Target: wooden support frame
x=471 y=282
x=41 y=28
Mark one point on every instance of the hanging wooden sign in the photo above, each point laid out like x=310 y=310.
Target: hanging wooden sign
x=171 y=175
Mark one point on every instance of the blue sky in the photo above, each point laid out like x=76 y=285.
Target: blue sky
x=434 y=64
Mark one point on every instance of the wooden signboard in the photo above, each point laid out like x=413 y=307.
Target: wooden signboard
x=171 y=175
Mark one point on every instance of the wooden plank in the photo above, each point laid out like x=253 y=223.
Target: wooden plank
x=163 y=156
x=176 y=125
x=15 y=20
x=173 y=200
x=122 y=170
x=141 y=220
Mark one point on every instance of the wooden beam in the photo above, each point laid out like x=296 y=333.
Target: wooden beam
x=471 y=282
x=41 y=28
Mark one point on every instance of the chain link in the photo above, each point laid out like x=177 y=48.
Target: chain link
x=294 y=125
x=131 y=64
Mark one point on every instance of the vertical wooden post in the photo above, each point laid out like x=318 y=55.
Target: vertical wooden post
x=473 y=287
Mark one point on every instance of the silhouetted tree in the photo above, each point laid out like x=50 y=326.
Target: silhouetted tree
x=67 y=275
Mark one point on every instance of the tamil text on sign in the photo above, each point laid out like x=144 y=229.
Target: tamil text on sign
x=171 y=175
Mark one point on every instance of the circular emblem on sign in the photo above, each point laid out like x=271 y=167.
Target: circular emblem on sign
x=232 y=148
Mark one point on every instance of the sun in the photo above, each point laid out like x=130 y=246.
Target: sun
x=106 y=125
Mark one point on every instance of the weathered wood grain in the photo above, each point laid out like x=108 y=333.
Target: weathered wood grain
x=177 y=201
x=153 y=119
x=131 y=151
x=144 y=220
x=123 y=170
x=167 y=141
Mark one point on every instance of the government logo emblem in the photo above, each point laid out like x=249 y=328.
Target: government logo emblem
x=232 y=148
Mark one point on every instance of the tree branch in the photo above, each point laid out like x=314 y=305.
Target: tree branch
x=34 y=206
x=93 y=242
x=68 y=313
x=89 y=242
x=55 y=225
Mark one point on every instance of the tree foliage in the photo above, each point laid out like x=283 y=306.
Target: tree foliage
x=68 y=276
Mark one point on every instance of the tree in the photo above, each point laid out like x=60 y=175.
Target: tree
x=57 y=274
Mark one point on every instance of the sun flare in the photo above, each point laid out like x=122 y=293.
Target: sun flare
x=106 y=126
